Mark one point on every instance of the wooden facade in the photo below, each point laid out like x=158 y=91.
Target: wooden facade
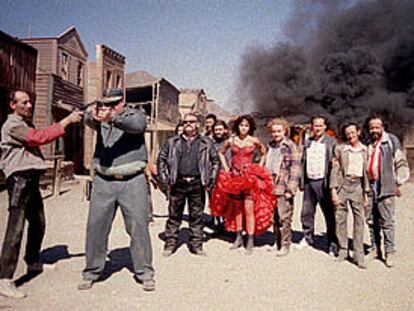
x=60 y=80
x=106 y=72
x=17 y=72
x=193 y=100
x=159 y=98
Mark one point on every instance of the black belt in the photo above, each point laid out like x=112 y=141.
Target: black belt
x=29 y=173
x=188 y=178
x=118 y=177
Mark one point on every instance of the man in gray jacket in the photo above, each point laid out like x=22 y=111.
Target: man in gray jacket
x=23 y=164
x=119 y=161
x=388 y=171
x=349 y=185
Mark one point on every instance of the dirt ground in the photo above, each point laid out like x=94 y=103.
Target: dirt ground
x=307 y=279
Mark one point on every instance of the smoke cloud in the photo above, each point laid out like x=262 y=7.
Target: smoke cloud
x=345 y=59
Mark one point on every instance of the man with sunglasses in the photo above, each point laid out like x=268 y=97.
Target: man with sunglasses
x=187 y=166
x=119 y=161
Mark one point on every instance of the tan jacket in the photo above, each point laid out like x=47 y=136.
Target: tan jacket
x=339 y=164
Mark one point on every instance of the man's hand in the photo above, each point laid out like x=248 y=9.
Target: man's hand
x=74 y=117
x=397 y=191
x=288 y=195
x=366 y=201
x=334 y=197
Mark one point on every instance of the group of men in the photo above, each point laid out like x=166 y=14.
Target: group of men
x=333 y=175
x=365 y=177
x=187 y=166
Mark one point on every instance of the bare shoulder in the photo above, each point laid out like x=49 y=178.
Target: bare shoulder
x=255 y=141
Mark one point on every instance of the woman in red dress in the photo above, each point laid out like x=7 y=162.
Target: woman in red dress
x=243 y=191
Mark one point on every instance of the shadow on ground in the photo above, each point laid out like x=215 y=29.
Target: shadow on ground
x=117 y=259
x=48 y=256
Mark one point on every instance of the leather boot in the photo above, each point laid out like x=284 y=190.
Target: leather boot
x=238 y=242
x=250 y=244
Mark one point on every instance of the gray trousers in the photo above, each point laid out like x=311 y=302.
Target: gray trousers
x=380 y=216
x=351 y=193
x=132 y=198
x=282 y=228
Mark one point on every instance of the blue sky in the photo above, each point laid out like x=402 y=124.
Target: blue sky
x=193 y=44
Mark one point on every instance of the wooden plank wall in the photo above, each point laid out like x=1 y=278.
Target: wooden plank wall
x=168 y=104
x=67 y=93
x=42 y=111
x=46 y=51
x=17 y=65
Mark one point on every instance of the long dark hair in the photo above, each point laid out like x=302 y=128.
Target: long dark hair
x=249 y=119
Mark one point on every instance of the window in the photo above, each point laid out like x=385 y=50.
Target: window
x=79 y=74
x=11 y=60
x=64 y=66
x=108 y=83
x=118 y=81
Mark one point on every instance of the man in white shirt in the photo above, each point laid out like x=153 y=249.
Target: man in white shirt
x=349 y=185
x=316 y=167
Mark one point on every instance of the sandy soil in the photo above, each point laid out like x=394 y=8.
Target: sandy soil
x=307 y=279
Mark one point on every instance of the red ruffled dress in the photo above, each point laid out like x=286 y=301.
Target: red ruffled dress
x=245 y=180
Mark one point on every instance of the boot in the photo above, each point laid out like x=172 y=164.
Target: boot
x=250 y=244
x=8 y=289
x=284 y=250
x=389 y=260
x=238 y=242
x=342 y=255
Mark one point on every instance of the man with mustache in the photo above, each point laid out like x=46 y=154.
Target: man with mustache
x=187 y=165
x=220 y=135
x=388 y=171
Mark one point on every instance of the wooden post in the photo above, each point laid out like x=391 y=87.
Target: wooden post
x=56 y=176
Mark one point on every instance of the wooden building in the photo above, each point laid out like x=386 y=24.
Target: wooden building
x=60 y=79
x=196 y=101
x=17 y=72
x=106 y=72
x=213 y=107
x=159 y=98
x=192 y=100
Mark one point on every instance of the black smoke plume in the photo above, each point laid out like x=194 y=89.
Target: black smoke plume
x=345 y=59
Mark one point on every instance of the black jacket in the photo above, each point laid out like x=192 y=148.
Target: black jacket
x=168 y=160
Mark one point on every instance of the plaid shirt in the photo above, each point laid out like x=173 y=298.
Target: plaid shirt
x=290 y=167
